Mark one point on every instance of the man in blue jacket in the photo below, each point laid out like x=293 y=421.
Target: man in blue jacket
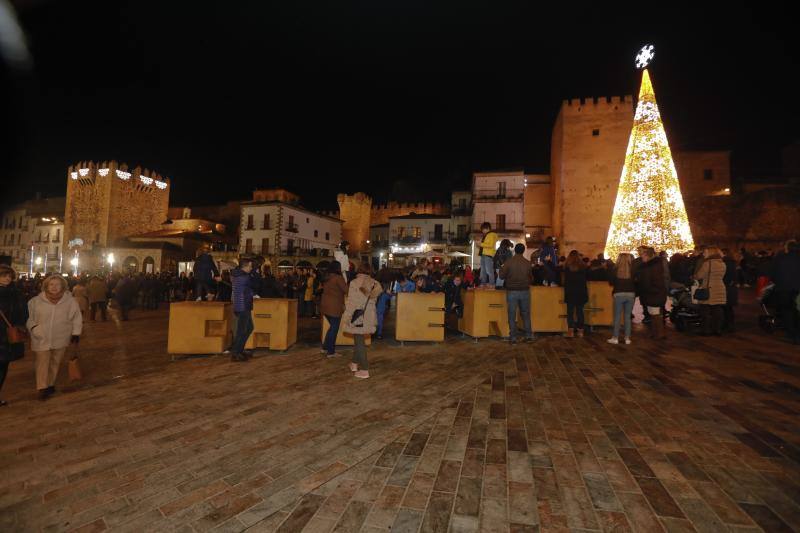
x=242 y=297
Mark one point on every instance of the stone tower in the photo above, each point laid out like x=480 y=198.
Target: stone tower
x=355 y=212
x=587 y=154
x=106 y=202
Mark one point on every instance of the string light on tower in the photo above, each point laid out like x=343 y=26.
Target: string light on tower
x=649 y=209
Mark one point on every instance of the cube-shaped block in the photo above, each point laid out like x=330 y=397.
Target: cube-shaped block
x=342 y=338
x=485 y=313
x=420 y=317
x=274 y=323
x=548 y=310
x=199 y=327
x=599 y=310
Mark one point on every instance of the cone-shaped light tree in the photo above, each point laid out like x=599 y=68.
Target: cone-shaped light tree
x=649 y=209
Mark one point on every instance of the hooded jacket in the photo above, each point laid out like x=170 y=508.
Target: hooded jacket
x=242 y=290
x=52 y=325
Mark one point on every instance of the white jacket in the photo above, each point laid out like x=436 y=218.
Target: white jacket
x=343 y=260
x=52 y=325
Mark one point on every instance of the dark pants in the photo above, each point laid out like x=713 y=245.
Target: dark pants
x=330 y=337
x=575 y=315
x=3 y=372
x=202 y=288
x=786 y=304
x=728 y=318
x=95 y=306
x=244 y=327
x=712 y=319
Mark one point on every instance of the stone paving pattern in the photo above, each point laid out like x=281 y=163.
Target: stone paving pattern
x=694 y=434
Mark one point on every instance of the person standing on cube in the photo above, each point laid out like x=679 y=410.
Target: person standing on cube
x=487 y=250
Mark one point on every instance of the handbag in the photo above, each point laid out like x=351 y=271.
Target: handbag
x=74 y=368
x=704 y=293
x=358 y=313
x=14 y=334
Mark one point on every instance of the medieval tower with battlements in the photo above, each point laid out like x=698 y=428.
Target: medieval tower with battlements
x=586 y=158
x=107 y=202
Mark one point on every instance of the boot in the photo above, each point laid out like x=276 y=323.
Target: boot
x=657 y=326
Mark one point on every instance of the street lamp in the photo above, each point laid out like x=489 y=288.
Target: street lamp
x=110 y=259
x=38 y=261
x=74 y=263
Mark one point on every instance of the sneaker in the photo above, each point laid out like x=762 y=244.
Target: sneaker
x=238 y=358
x=198 y=299
x=580 y=333
x=362 y=374
x=332 y=355
x=627 y=340
x=353 y=367
x=226 y=352
x=3 y=403
x=532 y=338
x=613 y=340
x=569 y=334
x=512 y=340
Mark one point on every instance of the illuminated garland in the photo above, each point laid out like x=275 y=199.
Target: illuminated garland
x=649 y=208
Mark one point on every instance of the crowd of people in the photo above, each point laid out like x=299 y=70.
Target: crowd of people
x=51 y=309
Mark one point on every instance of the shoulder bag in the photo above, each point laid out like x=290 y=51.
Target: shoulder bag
x=704 y=294
x=359 y=313
x=14 y=334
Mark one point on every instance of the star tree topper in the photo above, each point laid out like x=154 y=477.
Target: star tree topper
x=645 y=56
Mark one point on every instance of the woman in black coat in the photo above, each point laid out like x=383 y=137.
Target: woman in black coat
x=651 y=289
x=576 y=293
x=15 y=309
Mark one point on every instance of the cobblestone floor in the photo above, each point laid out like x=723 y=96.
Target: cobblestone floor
x=691 y=434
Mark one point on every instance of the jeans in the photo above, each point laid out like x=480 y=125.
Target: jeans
x=623 y=307
x=244 y=327
x=329 y=344
x=575 y=315
x=380 y=315
x=523 y=300
x=487 y=270
x=360 y=352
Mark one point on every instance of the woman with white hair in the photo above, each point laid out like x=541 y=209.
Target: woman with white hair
x=54 y=320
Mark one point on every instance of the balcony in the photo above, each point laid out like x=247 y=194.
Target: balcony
x=266 y=226
x=460 y=212
x=375 y=245
x=509 y=227
x=295 y=252
x=407 y=240
x=496 y=194
x=292 y=228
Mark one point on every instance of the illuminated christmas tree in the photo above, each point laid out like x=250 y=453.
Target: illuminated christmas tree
x=649 y=209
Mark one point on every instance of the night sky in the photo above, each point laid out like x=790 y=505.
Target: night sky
x=399 y=99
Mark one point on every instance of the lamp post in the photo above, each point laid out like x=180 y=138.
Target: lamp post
x=110 y=259
x=74 y=263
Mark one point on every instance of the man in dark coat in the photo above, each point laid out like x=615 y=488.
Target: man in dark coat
x=785 y=273
x=205 y=272
x=15 y=311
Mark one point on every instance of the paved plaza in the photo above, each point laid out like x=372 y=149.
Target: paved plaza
x=692 y=434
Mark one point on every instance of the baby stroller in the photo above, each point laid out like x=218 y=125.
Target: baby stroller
x=684 y=314
x=769 y=320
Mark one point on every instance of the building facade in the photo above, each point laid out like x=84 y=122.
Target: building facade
x=286 y=233
x=32 y=235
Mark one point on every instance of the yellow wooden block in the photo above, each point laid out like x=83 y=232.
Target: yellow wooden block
x=484 y=313
x=274 y=323
x=599 y=310
x=342 y=338
x=420 y=317
x=548 y=310
x=199 y=327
